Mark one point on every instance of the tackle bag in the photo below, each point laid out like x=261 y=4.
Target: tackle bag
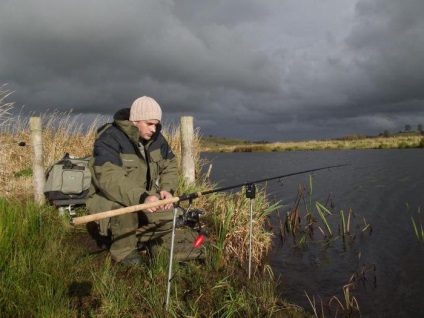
x=68 y=181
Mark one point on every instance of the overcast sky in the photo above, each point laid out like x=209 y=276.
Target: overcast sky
x=273 y=70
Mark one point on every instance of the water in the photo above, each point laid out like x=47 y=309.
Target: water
x=386 y=187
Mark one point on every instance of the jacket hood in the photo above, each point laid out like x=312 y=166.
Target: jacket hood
x=122 y=114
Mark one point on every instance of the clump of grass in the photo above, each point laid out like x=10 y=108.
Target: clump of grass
x=31 y=259
x=229 y=221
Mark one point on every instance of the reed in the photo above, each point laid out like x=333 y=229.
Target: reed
x=418 y=225
x=317 y=218
x=349 y=306
x=322 y=211
x=345 y=305
x=321 y=218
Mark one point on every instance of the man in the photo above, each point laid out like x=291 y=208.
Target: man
x=132 y=163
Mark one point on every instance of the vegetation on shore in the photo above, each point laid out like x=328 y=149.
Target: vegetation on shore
x=395 y=141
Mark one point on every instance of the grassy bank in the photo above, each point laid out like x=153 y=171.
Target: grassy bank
x=399 y=141
x=51 y=270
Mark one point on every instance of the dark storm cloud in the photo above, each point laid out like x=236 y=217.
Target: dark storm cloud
x=388 y=40
x=263 y=70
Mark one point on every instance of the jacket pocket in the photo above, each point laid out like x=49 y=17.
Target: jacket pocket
x=155 y=156
x=130 y=163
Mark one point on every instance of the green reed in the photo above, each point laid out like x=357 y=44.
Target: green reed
x=418 y=226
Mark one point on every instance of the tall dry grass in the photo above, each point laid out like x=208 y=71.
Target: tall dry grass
x=63 y=132
x=5 y=106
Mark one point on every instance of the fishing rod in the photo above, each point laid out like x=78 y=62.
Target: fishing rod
x=247 y=183
x=186 y=197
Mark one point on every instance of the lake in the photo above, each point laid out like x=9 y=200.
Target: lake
x=383 y=187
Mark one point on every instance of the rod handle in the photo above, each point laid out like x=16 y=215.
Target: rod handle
x=129 y=209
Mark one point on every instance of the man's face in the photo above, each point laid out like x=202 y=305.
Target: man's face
x=146 y=128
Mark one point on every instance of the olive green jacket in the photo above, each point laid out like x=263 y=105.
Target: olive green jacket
x=122 y=174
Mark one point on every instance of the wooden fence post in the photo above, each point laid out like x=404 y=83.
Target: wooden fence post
x=187 y=145
x=38 y=165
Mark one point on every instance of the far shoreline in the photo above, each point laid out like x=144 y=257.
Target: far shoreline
x=400 y=141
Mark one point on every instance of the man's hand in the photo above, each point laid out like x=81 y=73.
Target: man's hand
x=152 y=198
x=166 y=195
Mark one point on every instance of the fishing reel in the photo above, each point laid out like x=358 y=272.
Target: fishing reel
x=190 y=218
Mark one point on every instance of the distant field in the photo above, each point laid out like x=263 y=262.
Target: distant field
x=398 y=141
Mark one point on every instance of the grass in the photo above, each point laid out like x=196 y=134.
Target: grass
x=5 y=107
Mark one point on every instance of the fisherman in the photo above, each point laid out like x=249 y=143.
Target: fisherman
x=132 y=163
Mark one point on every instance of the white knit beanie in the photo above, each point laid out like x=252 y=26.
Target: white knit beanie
x=145 y=108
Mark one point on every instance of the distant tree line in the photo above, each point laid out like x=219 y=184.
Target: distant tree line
x=408 y=129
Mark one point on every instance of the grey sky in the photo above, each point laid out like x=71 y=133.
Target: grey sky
x=259 y=70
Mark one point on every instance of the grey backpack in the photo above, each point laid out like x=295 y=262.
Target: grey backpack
x=68 y=181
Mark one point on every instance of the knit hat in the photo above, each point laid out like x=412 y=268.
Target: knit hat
x=145 y=108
